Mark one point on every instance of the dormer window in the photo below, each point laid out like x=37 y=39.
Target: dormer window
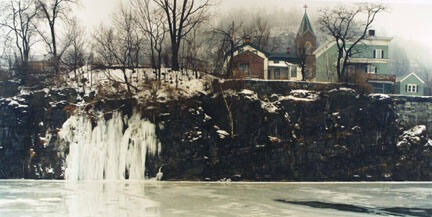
x=379 y=54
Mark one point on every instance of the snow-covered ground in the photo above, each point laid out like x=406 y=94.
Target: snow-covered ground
x=143 y=81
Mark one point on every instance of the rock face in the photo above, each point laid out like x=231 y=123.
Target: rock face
x=415 y=155
x=28 y=124
x=303 y=136
x=337 y=135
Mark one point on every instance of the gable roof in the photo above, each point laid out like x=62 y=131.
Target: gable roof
x=409 y=75
x=305 y=25
x=253 y=46
x=288 y=57
x=366 y=41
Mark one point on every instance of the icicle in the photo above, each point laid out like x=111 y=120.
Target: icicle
x=109 y=150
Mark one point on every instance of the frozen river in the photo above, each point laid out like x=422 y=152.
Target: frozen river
x=129 y=199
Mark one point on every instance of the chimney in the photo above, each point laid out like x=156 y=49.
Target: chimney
x=247 y=40
x=288 y=50
x=371 y=32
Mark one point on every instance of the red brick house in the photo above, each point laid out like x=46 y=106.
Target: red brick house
x=251 y=62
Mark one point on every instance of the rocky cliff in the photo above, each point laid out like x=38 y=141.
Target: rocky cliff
x=331 y=135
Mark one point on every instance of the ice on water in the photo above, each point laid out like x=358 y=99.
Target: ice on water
x=159 y=199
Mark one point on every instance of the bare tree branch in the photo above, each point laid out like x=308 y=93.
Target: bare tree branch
x=343 y=26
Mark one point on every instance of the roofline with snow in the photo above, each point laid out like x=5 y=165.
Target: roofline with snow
x=415 y=75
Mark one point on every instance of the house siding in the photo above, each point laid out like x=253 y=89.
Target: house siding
x=326 y=61
x=326 y=65
x=411 y=80
x=255 y=62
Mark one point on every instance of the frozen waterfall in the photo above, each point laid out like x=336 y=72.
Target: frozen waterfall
x=114 y=149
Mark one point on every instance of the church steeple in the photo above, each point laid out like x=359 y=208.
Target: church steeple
x=305 y=47
x=305 y=25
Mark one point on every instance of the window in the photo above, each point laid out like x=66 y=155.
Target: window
x=276 y=73
x=293 y=71
x=379 y=54
x=371 y=69
x=308 y=47
x=411 y=88
x=244 y=68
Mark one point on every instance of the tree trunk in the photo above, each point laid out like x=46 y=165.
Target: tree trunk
x=174 y=59
x=127 y=82
x=338 y=67
x=54 y=49
x=231 y=63
x=159 y=65
x=303 y=71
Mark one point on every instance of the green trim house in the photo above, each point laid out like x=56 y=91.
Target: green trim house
x=371 y=58
x=410 y=84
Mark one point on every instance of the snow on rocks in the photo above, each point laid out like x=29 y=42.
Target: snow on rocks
x=344 y=89
x=268 y=106
x=16 y=102
x=207 y=117
x=412 y=136
x=301 y=95
x=249 y=94
x=265 y=105
x=379 y=96
x=429 y=143
x=274 y=139
x=222 y=134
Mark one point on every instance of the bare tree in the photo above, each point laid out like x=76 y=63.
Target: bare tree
x=51 y=11
x=74 y=56
x=227 y=40
x=258 y=31
x=152 y=22
x=343 y=26
x=120 y=45
x=182 y=17
x=301 y=58
x=228 y=106
x=195 y=45
x=19 y=23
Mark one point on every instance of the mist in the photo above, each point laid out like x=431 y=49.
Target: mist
x=407 y=21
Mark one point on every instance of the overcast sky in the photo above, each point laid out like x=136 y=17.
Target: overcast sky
x=408 y=20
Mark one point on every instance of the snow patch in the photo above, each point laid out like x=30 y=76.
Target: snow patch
x=274 y=139
x=301 y=95
x=207 y=118
x=344 y=89
x=379 y=96
x=222 y=134
x=412 y=134
x=249 y=94
x=415 y=131
x=429 y=143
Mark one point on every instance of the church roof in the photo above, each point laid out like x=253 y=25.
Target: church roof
x=305 y=25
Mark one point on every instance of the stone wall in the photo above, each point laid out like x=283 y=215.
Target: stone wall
x=268 y=87
x=414 y=110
